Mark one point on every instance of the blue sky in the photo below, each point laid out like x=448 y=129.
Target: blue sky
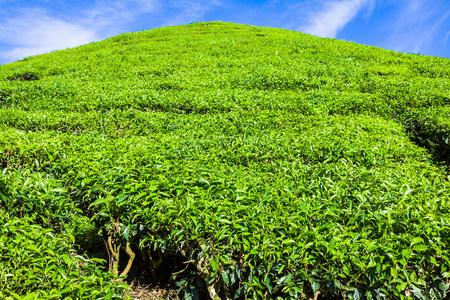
x=29 y=27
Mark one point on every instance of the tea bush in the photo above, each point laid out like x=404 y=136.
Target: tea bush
x=37 y=263
x=275 y=164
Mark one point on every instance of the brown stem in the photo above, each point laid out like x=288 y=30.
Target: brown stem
x=316 y=295
x=204 y=273
x=115 y=251
x=143 y=254
x=130 y=260
x=109 y=255
x=154 y=264
x=213 y=288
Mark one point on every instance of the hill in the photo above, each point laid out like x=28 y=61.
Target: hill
x=272 y=164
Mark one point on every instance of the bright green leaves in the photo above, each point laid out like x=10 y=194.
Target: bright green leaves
x=275 y=163
x=37 y=263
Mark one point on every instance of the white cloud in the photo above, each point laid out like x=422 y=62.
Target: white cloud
x=189 y=11
x=440 y=22
x=335 y=15
x=44 y=28
x=416 y=28
x=111 y=15
x=35 y=33
x=192 y=8
x=195 y=9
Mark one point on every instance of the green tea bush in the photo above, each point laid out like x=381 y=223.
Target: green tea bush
x=37 y=263
x=35 y=195
x=274 y=164
x=430 y=126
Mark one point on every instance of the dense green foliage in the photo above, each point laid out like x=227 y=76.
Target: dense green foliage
x=275 y=163
x=36 y=263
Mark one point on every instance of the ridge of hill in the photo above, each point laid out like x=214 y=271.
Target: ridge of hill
x=271 y=163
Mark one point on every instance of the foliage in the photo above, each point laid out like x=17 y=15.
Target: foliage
x=37 y=263
x=274 y=163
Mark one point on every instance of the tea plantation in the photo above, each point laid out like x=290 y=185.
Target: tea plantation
x=273 y=164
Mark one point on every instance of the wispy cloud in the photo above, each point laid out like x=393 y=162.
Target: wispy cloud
x=442 y=21
x=35 y=33
x=334 y=15
x=43 y=26
x=418 y=26
x=114 y=14
x=189 y=10
x=40 y=30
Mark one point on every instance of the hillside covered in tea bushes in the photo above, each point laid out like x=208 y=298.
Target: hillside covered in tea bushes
x=272 y=164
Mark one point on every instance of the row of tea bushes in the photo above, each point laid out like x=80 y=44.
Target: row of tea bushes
x=268 y=215
x=273 y=164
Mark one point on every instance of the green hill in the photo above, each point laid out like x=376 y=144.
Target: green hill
x=274 y=164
